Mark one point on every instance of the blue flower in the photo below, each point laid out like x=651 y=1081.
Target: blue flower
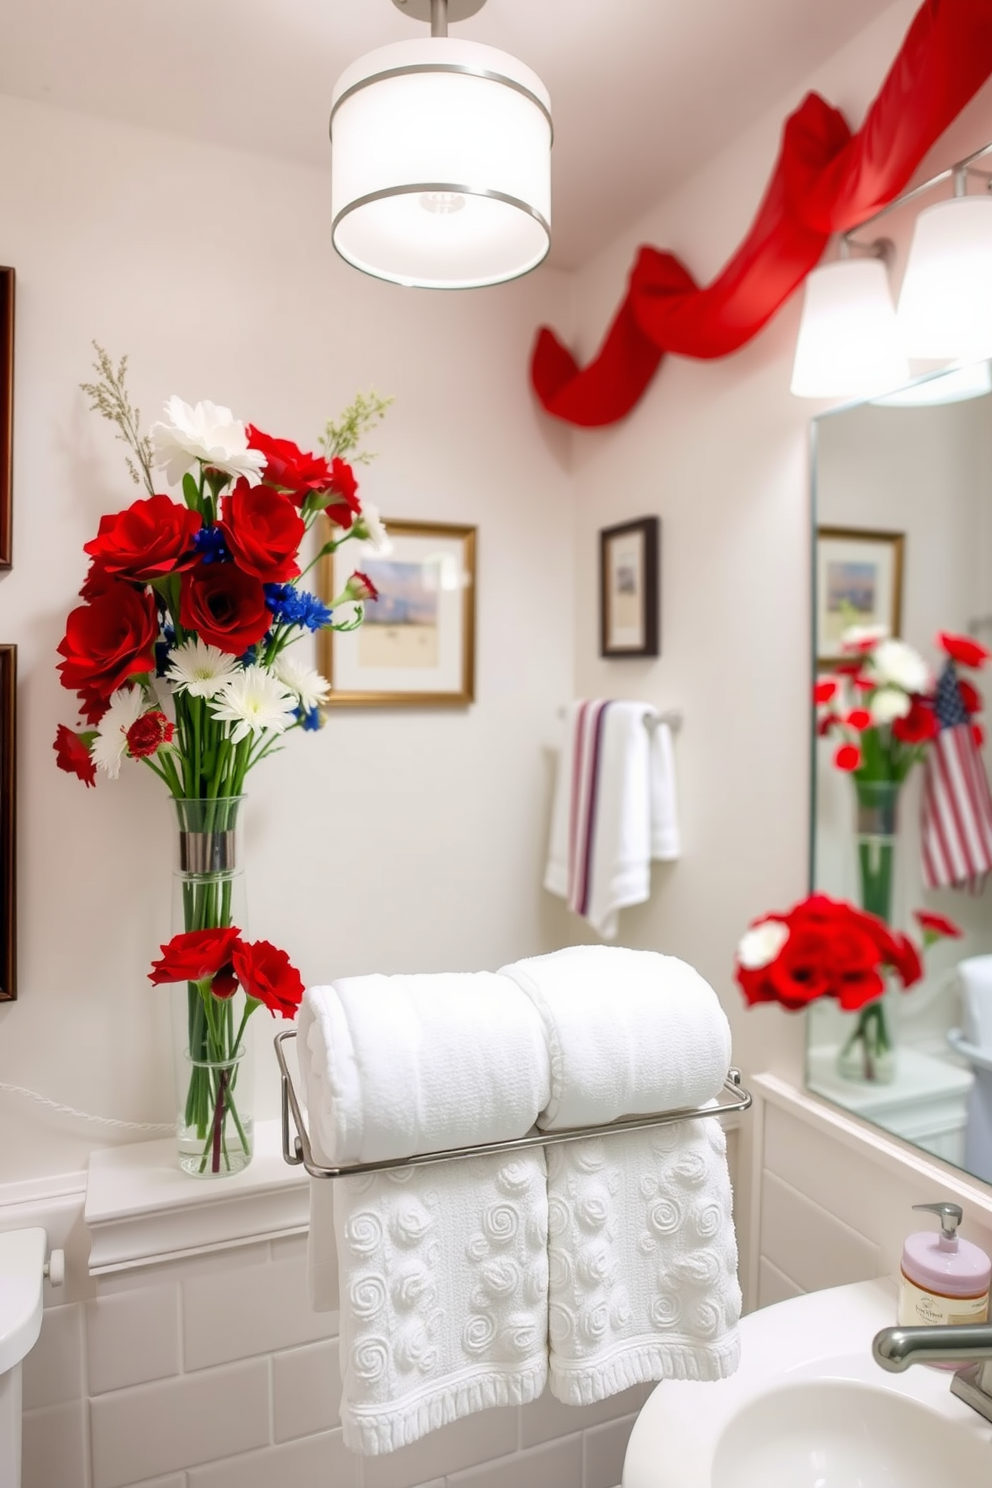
x=292 y=606
x=209 y=543
x=162 y=649
x=309 y=719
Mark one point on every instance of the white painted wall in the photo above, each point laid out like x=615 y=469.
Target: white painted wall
x=394 y=840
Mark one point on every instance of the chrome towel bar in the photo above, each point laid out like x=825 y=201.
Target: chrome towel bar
x=296 y=1149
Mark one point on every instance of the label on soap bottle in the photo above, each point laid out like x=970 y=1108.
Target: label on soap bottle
x=919 y=1308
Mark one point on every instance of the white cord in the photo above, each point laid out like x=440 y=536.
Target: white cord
x=145 y=1126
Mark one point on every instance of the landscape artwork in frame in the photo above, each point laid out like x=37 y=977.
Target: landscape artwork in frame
x=416 y=645
x=8 y=897
x=858 y=582
x=628 y=588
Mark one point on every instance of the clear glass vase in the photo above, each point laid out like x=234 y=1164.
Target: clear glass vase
x=868 y=1053
x=213 y=1059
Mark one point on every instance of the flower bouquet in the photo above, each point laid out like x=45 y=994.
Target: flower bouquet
x=828 y=948
x=180 y=656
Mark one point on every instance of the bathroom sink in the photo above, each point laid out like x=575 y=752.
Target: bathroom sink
x=809 y=1408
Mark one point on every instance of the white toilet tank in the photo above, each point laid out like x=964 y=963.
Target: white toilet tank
x=22 y=1272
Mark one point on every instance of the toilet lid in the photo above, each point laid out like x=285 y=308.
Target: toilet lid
x=975 y=974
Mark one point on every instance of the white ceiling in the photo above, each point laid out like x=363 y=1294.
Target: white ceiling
x=643 y=91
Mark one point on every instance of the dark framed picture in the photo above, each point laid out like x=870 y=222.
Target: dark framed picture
x=8 y=774
x=858 y=582
x=6 y=417
x=628 y=588
x=416 y=645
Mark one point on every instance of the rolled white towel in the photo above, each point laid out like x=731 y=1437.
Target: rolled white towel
x=443 y=1268
x=642 y=1250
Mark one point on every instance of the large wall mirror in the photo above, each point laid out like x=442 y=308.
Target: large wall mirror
x=902 y=504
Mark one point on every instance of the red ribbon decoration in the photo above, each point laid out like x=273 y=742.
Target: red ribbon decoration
x=826 y=180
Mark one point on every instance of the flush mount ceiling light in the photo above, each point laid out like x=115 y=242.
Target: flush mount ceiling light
x=441 y=159
x=848 y=342
x=945 y=307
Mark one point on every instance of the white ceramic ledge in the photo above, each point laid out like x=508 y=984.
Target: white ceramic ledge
x=141 y=1210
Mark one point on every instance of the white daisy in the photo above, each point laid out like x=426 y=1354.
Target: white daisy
x=309 y=686
x=370 y=528
x=200 y=669
x=899 y=664
x=889 y=703
x=256 y=702
x=110 y=745
x=862 y=637
x=208 y=433
x=760 y=945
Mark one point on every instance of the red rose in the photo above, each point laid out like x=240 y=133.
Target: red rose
x=825 y=690
x=344 y=505
x=963 y=649
x=263 y=531
x=858 y=719
x=906 y=964
x=73 y=756
x=195 y=955
x=800 y=972
x=225 y=606
x=148 y=733
x=970 y=696
x=848 y=757
x=106 y=641
x=287 y=467
x=267 y=975
x=153 y=537
x=97 y=581
x=919 y=724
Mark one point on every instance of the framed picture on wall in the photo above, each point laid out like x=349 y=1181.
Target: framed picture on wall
x=858 y=581
x=8 y=771
x=416 y=645
x=6 y=416
x=628 y=588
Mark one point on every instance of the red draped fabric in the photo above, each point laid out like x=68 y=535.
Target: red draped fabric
x=825 y=180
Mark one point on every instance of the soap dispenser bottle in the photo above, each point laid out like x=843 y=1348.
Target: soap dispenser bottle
x=944 y=1279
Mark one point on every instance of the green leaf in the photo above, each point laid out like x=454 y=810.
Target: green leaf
x=191 y=492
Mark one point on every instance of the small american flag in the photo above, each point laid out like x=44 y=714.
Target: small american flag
x=957 y=803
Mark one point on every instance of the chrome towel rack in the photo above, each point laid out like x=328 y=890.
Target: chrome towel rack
x=671 y=716
x=296 y=1150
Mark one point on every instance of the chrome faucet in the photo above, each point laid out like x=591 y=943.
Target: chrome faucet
x=896 y=1348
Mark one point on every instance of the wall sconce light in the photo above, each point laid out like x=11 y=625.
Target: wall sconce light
x=945 y=306
x=441 y=159
x=849 y=343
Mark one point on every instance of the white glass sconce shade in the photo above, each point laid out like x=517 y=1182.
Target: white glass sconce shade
x=441 y=165
x=848 y=344
x=945 y=306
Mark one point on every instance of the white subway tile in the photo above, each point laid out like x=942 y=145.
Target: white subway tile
x=555 y=1465
x=315 y=1462
x=53 y=1370
x=808 y=1243
x=547 y=1418
x=176 y=1423
x=132 y=1337
x=53 y=1447
x=605 y=1448
x=773 y=1284
x=306 y=1387
x=475 y=1438
x=236 y=1316
x=289 y=1247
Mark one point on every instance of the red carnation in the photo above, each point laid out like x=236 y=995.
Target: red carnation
x=196 y=955
x=224 y=606
x=148 y=733
x=919 y=724
x=73 y=756
x=859 y=719
x=344 y=505
x=825 y=690
x=106 y=641
x=970 y=696
x=287 y=467
x=848 y=757
x=360 y=586
x=151 y=538
x=263 y=531
x=963 y=649
x=266 y=974
x=935 y=926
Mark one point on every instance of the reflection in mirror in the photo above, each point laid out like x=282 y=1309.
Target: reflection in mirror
x=903 y=539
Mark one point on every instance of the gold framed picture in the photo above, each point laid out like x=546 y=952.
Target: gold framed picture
x=858 y=581
x=416 y=644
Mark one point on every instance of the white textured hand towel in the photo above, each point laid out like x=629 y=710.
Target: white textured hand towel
x=614 y=809
x=443 y=1268
x=643 y=1255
